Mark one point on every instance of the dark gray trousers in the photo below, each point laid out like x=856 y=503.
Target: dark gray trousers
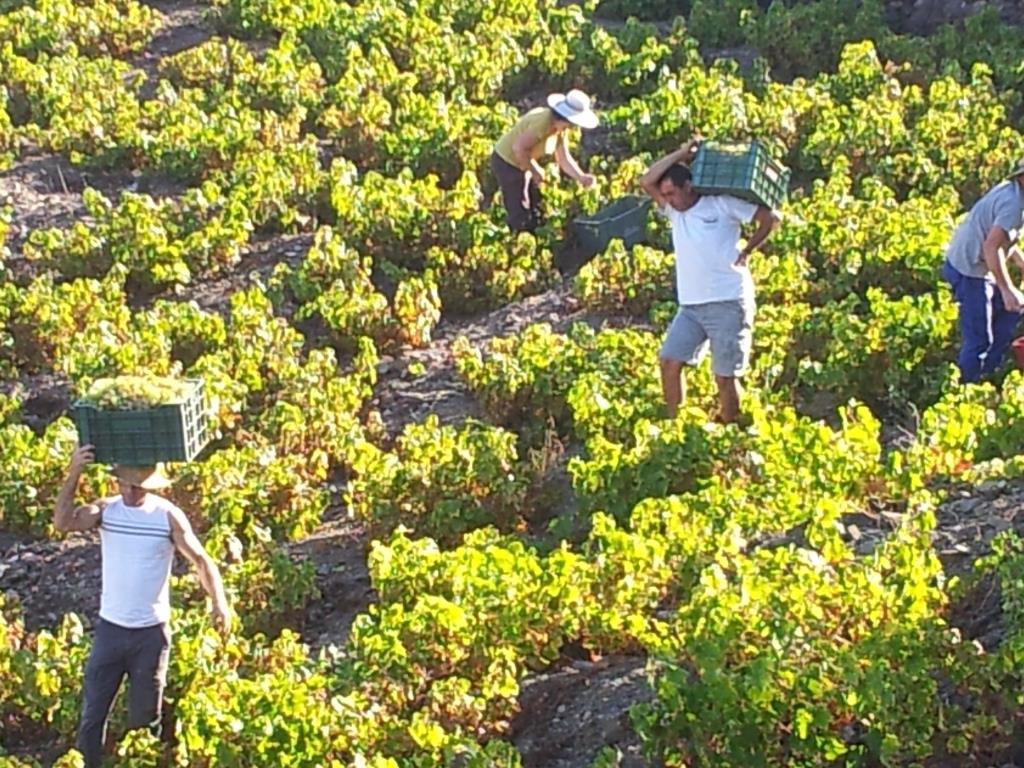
x=141 y=654
x=512 y=180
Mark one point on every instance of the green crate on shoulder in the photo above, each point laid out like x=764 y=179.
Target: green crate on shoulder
x=743 y=170
x=170 y=431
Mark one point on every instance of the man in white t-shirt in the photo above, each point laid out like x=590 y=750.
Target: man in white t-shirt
x=715 y=291
x=139 y=534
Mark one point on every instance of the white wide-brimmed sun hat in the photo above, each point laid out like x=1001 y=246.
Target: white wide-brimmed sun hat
x=574 y=106
x=150 y=477
x=1018 y=170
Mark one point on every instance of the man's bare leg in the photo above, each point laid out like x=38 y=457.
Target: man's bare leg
x=673 y=386
x=729 y=392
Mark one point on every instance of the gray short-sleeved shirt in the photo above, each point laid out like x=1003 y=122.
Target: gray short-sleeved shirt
x=1002 y=206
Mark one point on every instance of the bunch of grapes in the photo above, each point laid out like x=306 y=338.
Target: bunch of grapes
x=133 y=393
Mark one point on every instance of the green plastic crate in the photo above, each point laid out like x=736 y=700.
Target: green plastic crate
x=625 y=219
x=745 y=171
x=171 y=432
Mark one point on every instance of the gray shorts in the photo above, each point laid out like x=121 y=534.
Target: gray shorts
x=726 y=325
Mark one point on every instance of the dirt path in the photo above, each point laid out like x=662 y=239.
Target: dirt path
x=569 y=714
x=49 y=578
x=185 y=26
x=402 y=398
x=338 y=552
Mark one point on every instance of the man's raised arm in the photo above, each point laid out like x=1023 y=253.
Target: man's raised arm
x=649 y=181
x=66 y=516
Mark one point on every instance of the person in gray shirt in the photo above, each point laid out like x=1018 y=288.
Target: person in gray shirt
x=990 y=303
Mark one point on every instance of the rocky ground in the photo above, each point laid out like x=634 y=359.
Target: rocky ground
x=570 y=713
x=922 y=17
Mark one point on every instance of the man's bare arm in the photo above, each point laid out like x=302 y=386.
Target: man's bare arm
x=1015 y=255
x=994 y=251
x=767 y=222
x=522 y=149
x=649 y=181
x=66 y=516
x=188 y=544
x=566 y=161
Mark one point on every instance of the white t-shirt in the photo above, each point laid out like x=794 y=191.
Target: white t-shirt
x=705 y=238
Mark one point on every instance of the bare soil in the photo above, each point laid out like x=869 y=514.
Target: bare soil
x=570 y=713
x=338 y=552
x=185 y=26
x=50 y=578
x=404 y=398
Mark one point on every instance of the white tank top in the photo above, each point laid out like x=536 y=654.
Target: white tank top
x=137 y=554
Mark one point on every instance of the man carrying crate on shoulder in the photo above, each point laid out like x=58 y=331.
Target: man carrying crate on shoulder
x=139 y=533
x=713 y=283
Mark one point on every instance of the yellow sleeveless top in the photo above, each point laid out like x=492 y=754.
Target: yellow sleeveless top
x=537 y=123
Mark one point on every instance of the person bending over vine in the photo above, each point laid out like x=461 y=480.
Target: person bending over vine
x=540 y=132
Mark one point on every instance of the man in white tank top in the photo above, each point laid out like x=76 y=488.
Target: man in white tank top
x=139 y=533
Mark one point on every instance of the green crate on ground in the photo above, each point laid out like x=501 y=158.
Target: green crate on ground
x=625 y=219
x=745 y=171
x=170 y=432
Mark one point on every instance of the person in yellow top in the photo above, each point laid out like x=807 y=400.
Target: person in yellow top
x=540 y=132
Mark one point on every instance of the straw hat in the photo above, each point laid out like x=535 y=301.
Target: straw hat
x=574 y=106
x=150 y=477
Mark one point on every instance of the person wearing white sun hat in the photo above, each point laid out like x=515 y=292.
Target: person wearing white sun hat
x=541 y=131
